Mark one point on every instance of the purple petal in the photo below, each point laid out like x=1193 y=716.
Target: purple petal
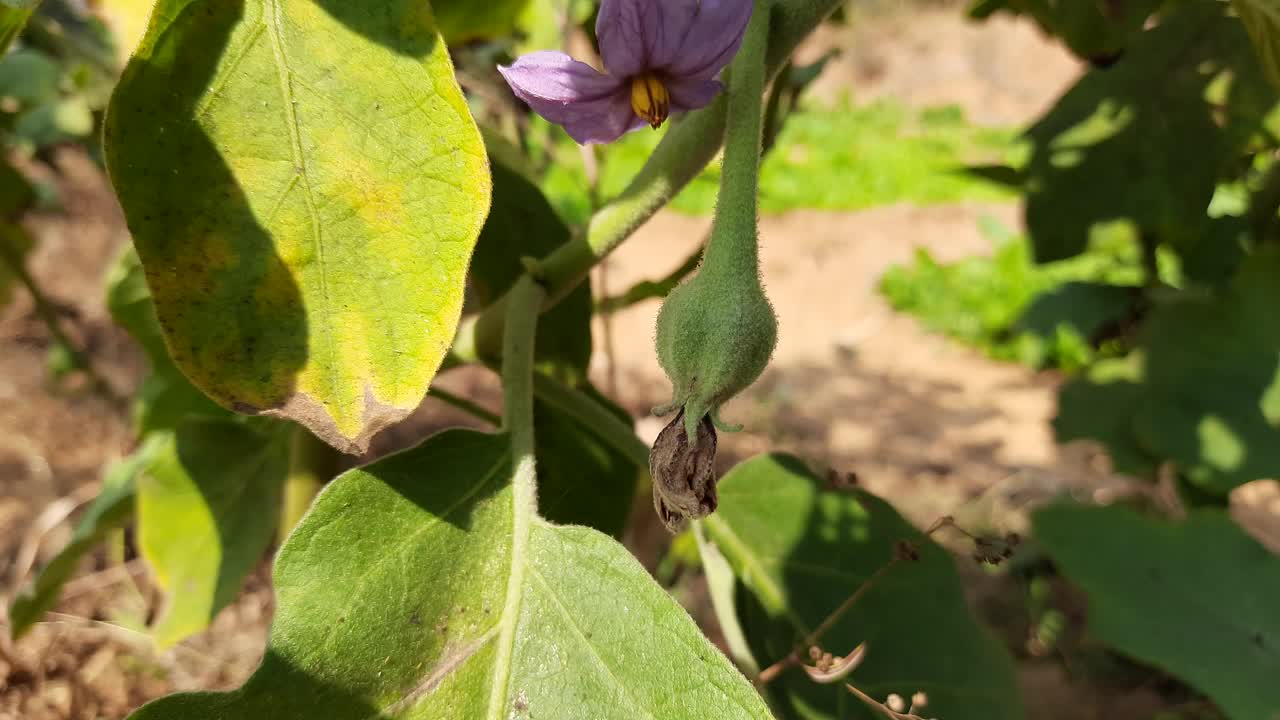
x=712 y=40
x=592 y=107
x=638 y=35
x=692 y=94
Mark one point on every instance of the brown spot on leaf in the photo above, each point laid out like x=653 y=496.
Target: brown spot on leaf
x=304 y=410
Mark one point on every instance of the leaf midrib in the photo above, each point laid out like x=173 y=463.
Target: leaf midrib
x=273 y=20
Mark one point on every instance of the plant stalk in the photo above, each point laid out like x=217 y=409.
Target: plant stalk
x=312 y=463
x=45 y=310
x=734 y=244
x=526 y=298
x=685 y=150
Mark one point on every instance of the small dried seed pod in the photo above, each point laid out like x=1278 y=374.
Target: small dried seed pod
x=684 y=474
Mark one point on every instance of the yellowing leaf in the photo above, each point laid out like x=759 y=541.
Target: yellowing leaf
x=304 y=184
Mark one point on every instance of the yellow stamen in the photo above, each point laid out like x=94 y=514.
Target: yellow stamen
x=650 y=100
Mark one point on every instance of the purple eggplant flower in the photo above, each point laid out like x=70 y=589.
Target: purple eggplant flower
x=662 y=56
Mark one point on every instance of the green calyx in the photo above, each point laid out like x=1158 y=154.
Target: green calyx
x=715 y=336
x=717 y=331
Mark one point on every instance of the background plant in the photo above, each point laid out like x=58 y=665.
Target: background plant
x=349 y=238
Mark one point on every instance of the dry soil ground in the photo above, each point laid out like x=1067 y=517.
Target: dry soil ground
x=934 y=427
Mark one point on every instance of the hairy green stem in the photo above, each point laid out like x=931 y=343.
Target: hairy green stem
x=774 y=120
x=465 y=405
x=312 y=463
x=525 y=299
x=604 y=424
x=734 y=244
x=685 y=150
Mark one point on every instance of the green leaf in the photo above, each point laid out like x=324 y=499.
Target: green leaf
x=523 y=224
x=304 y=184
x=207 y=507
x=1118 y=146
x=1204 y=393
x=801 y=551
x=1083 y=307
x=463 y=20
x=1099 y=405
x=1262 y=19
x=1197 y=598
x=407 y=595
x=13 y=17
x=1213 y=373
x=29 y=76
x=166 y=397
x=582 y=480
x=112 y=509
x=1095 y=31
x=61 y=121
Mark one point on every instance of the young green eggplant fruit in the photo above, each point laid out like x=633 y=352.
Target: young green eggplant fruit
x=715 y=335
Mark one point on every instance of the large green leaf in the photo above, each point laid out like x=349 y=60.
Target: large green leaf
x=582 y=480
x=1262 y=19
x=1198 y=598
x=415 y=589
x=800 y=551
x=1118 y=146
x=112 y=509
x=207 y=508
x=1204 y=393
x=166 y=397
x=304 y=184
x=1099 y=405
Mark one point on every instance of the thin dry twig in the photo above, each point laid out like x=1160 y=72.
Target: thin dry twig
x=136 y=639
x=103 y=578
x=904 y=550
x=885 y=709
x=54 y=514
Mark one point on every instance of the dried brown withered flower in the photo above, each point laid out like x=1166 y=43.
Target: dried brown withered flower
x=684 y=476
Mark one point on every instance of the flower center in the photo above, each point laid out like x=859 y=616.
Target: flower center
x=650 y=100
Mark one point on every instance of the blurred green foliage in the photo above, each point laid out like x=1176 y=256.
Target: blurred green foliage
x=56 y=82
x=845 y=157
x=1015 y=309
